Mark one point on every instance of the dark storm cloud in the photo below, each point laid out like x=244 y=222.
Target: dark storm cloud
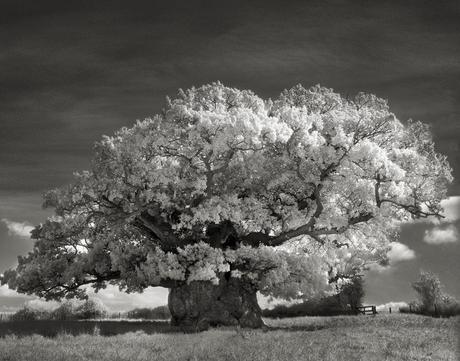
x=69 y=76
x=72 y=71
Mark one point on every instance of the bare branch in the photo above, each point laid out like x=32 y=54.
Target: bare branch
x=415 y=210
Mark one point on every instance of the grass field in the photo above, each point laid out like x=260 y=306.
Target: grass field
x=383 y=337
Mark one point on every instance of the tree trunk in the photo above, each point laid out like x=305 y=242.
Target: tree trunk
x=201 y=304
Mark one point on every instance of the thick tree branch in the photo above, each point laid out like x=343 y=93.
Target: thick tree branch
x=151 y=221
x=59 y=289
x=378 y=201
x=415 y=210
x=258 y=238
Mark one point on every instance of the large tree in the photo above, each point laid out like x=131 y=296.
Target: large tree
x=225 y=194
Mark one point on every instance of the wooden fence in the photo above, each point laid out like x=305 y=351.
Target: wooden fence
x=367 y=310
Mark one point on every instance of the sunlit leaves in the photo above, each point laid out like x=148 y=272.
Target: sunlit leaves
x=325 y=177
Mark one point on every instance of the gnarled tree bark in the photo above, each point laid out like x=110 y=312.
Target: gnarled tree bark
x=201 y=304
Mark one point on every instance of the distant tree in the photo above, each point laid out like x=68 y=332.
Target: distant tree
x=225 y=194
x=345 y=302
x=65 y=311
x=157 y=313
x=25 y=314
x=432 y=298
x=449 y=306
x=429 y=289
x=352 y=293
x=89 y=309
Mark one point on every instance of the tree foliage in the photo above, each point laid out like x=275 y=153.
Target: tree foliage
x=90 y=309
x=352 y=294
x=429 y=289
x=345 y=302
x=157 y=313
x=294 y=195
x=431 y=293
x=432 y=299
x=67 y=310
x=25 y=314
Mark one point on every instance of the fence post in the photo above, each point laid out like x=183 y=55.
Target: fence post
x=390 y=309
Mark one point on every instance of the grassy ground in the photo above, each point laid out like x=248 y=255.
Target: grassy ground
x=53 y=328
x=384 y=337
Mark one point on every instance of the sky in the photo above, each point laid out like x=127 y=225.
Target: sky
x=75 y=70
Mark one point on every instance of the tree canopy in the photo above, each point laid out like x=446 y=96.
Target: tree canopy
x=292 y=194
x=431 y=292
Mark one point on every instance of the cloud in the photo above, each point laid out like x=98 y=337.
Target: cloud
x=21 y=229
x=399 y=252
x=445 y=231
x=451 y=212
x=7 y=310
x=394 y=306
x=270 y=302
x=41 y=305
x=439 y=235
x=111 y=297
x=6 y=292
x=116 y=300
x=451 y=207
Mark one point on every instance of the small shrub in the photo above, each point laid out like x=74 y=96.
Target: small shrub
x=329 y=306
x=30 y=314
x=447 y=307
x=433 y=301
x=24 y=314
x=91 y=309
x=343 y=303
x=66 y=311
x=157 y=313
x=429 y=289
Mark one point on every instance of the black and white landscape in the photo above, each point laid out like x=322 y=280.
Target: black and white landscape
x=245 y=180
